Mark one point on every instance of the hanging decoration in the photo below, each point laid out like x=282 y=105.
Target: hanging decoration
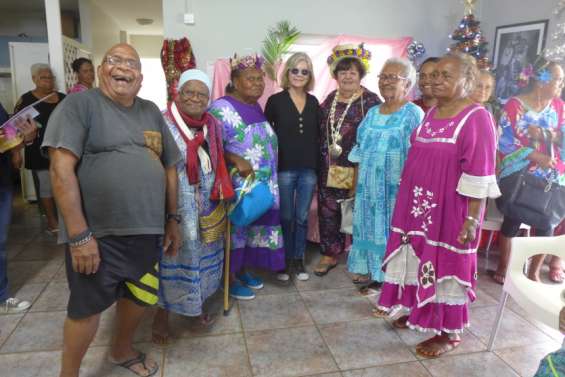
x=176 y=57
x=556 y=49
x=468 y=37
x=415 y=50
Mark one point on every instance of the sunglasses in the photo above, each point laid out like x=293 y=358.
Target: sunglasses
x=303 y=72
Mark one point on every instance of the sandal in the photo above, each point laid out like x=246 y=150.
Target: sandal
x=323 y=268
x=497 y=276
x=400 y=323
x=443 y=345
x=379 y=313
x=361 y=279
x=140 y=359
x=556 y=275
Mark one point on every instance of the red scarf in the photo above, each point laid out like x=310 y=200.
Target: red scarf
x=222 y=188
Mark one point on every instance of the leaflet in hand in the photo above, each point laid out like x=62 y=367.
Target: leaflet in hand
x=28 y=112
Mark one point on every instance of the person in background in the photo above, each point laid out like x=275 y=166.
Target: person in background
x=383 y=139
x=84 y=71
x=251 y=148
x=427 y=100
x=28 y=131
x=187 y=279
x=35 y=161
x=294 y=116
x=522 y=144
x=431 y=255
x=483 y=93
x=341 y=113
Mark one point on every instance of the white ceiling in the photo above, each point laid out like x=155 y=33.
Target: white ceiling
x=125 y=13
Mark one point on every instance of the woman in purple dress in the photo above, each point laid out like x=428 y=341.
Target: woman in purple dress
x=341 y=113
x=430 y=262
x=251 y=147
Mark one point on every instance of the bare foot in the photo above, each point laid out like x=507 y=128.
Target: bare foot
x=438 y=345
x=207 y=320
x=401 y=322
x=160 y=328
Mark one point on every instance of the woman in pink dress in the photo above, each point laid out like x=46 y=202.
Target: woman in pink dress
x=84 y=71
x=430 y=262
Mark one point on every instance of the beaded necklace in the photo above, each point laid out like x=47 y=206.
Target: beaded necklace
x=335 y=149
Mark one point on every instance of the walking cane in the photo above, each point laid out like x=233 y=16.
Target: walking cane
x=227 y=253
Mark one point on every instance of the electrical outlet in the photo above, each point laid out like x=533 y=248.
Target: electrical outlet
x=189 y=18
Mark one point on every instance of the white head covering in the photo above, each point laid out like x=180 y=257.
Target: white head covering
x=194 y=74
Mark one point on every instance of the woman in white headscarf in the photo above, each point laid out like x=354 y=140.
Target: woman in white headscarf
x=194 y=274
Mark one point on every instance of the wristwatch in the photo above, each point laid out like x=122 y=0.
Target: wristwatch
x=174 y=216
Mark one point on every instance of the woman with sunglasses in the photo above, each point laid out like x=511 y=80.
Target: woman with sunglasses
x=294 y=115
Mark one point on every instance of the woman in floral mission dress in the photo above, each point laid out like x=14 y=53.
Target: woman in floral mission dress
x=431 y=262
x=251 y=147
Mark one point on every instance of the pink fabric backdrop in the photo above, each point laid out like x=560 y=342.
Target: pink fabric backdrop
x=381 y=50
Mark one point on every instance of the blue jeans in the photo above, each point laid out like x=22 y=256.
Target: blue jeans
x=296 y=188
x=5 y=214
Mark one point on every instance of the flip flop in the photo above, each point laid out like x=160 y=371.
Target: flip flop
x=327 y=267
x=446 y=347
x=140 y=359
x=378 y=313
x=556 y=275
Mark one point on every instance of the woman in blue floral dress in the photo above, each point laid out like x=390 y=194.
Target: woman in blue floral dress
x=381 y=148
x=251 y=147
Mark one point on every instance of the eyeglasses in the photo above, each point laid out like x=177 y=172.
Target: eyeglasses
x=303 y=72
x=115 y=60
x=391 y=78
x=191 y=94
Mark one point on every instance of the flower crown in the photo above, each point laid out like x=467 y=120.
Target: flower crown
x=541 y=74
x=349 y=51
x=247 y=61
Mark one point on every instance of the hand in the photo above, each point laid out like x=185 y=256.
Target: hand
x=543 y=160
x=172 y=241
x=245 y=169
x=535 y=133
x=17 y=159
x=27 y=128
x=468 y=232
x=86 y=258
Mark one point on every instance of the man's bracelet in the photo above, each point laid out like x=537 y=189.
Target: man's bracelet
x=81 y=239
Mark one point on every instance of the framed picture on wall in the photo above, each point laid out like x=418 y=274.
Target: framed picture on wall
x=516 y=46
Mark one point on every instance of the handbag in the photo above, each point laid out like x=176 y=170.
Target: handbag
x=346 y=206
x=340 y=177
x=532 y=200
x=253 y=200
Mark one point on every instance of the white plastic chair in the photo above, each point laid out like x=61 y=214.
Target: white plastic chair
x=541 y=301
x=492 y=223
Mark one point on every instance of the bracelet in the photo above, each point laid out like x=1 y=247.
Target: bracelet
x=471 y=218
x=81 y=239
x=174 y=217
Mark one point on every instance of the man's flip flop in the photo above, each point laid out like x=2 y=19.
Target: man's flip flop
x=327 y=267
x=138 y=360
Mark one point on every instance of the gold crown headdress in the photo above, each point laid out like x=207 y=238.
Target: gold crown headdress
x=349 y=51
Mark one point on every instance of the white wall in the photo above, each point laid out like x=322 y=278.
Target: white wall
x=104 y=32
x=147 y=46
x=31 y=23
x=493 y=13
x=226 y=26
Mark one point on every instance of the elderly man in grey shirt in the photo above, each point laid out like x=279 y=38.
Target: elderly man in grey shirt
x=115 y=182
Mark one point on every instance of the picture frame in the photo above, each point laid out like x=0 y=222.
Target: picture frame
x=516 y=46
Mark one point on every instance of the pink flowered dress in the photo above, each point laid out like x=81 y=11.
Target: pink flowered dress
x=428 y=273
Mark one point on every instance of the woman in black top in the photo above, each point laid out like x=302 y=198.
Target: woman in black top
x=294 y=115
x=39 y=165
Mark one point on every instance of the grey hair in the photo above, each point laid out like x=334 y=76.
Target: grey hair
x=469 y=70
x=35 y=68
x=409 y=70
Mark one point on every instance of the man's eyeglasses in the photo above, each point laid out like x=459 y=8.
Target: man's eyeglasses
x=392 y=78
x=303 y=72
x=115 y=60
x=191 y=94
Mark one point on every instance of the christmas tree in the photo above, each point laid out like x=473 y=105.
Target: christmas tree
x=469 y=38
x=556 y=49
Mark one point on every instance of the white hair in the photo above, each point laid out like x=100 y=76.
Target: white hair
x=35 y=68
x=409 y=70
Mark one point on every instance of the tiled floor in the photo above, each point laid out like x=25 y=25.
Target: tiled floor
x=316 y=328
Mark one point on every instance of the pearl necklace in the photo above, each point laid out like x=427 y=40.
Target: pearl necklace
x=335 y=149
